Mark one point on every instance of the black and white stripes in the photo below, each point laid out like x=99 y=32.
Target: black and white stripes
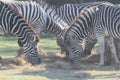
x=11 y=22
x=41 y=17
x=79 y=29
x=103 y=20
x=69 y=11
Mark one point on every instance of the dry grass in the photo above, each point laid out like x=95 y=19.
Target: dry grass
x=58 y=61
x=58 y=67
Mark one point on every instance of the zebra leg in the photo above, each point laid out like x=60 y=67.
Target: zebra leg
x=90 y=41
x=89 y=46
x=112 y=48
x=101 y=42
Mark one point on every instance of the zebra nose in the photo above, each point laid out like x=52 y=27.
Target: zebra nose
x=36 y=61
x=74 y=61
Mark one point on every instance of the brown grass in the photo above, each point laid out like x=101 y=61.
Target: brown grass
x=51 y=61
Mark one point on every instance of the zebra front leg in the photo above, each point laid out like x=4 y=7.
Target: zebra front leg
x=90 y=41
x=101 y=42
x=112 y=48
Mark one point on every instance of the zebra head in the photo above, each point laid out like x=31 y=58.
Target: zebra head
x=32 y=55
x=12 y=22
x=74 y=48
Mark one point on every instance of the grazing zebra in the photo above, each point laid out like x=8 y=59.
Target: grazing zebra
x=41 y=17
x=90 y=43
x=68 y=12
x=103 y=20
x=11 y=22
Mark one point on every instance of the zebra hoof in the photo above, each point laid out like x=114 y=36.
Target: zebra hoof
x=117 y=65
x=100 y=66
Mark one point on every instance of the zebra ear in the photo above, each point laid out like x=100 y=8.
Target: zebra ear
x=97 y=8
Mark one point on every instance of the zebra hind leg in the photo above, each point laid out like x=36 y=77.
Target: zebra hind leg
x=101 y=42
x=112 y=48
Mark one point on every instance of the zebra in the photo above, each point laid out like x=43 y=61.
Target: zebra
x=68 y=12
x=41 y=17
x=94 y=19
x=12 y=22
x=91 y=43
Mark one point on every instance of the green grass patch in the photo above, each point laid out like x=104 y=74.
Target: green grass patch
x=49 y=45
x=18 y=77
x=9 y=46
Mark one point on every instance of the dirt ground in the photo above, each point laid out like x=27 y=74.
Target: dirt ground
x=59 y=65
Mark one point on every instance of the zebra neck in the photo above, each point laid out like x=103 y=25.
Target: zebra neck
x=53 y=14
x=53 y=27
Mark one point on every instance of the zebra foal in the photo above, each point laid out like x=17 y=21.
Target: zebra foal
x=103 y=20
x=11 y=22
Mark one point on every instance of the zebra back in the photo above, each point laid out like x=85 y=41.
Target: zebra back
x=58 y=19
x=69 y=11
x=46 y=15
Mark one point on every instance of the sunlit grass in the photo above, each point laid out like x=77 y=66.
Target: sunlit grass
x=9 y=46
x=18 y=77
x=49 y=45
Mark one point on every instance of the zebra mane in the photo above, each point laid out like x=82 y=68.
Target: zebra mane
x=80 y=14
x=54 y=16
x=17 y=12
x=90 y=8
